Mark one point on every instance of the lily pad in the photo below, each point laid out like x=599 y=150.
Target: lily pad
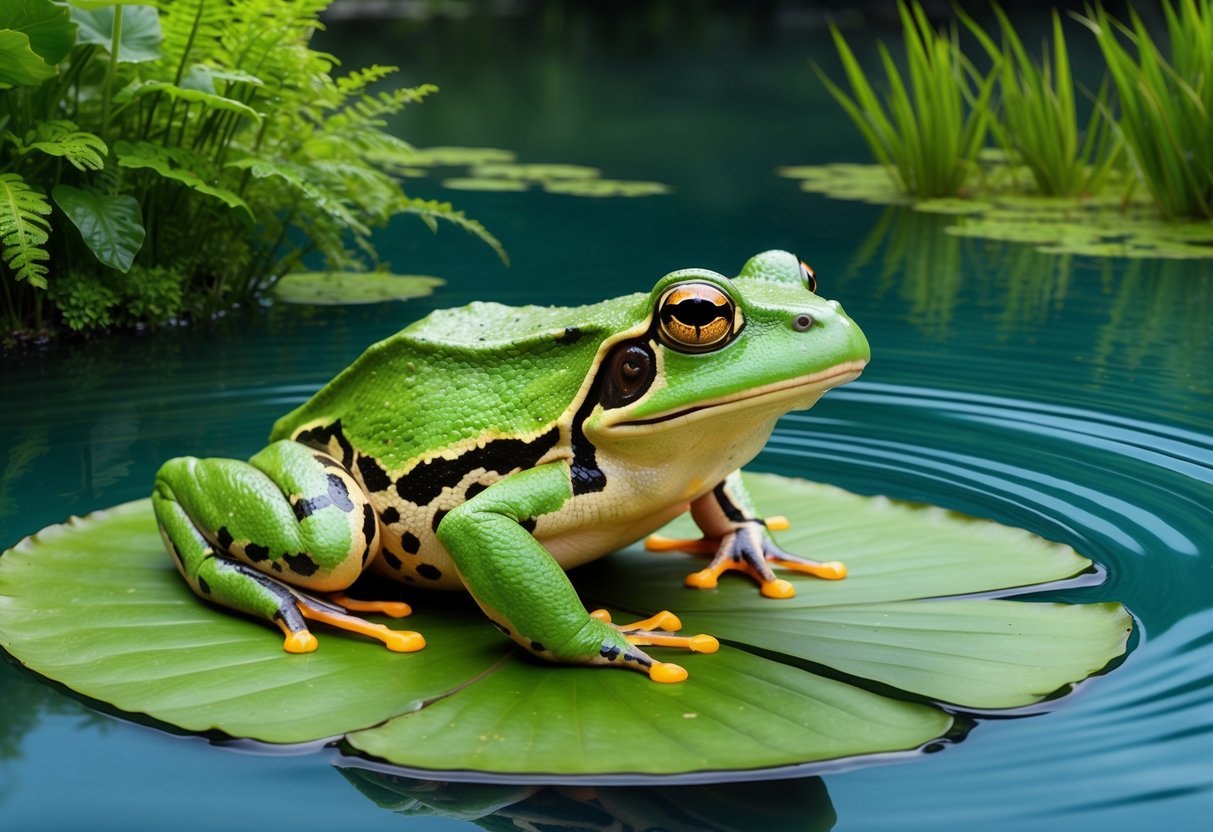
x=535 y=172
x=605 y=187
x=1103 y=224
x=845 y=668
x=458 y=156
x=484 y=183
x=336 y=288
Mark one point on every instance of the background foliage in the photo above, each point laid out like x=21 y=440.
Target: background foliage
x=183 y=156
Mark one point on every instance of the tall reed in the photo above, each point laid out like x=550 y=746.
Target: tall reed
x=1165 y=106
x=1038 y=126
x=927 y=132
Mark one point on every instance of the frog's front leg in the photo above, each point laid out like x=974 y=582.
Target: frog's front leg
x=738 y=539
x=254 y=536
x=524 y=591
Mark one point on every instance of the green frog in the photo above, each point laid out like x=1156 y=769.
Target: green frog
x=490 y=448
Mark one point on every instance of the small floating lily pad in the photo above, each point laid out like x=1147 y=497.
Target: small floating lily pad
x=1101 y=225
x=97 y=606
x=483 y=183
x=605 y=187
x=458 y=156
x=535 y=172
x=336 y=288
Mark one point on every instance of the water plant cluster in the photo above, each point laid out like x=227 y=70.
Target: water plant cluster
x=178 y=156
x=1150 y=123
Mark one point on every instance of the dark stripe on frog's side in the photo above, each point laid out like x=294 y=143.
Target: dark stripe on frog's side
x=586 y=476
x=726 y=504
x=319 y=437
x=338 y=496
x=425 y=481
x=370 y=525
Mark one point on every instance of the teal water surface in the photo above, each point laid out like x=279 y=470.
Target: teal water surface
x=1069 y=396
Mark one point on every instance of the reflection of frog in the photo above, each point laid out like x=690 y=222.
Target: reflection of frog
x=491 y=447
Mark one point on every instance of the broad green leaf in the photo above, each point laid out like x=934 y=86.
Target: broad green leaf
x=336 y=288
x=177 y=164
x=111 y=224
x=741 y=712
x=140 y=36
x=97 y=606
x=20 y=65
x=128 y=632
x=48 y=26
x=983 y=654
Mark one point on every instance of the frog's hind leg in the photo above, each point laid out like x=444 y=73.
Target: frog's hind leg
x=257 y=536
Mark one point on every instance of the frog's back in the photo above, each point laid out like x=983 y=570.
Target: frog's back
x=461 y=377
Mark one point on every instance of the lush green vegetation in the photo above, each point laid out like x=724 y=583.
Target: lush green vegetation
x=928 y=132
x=176 y=158
x=1156 y=102
x=1166 y=106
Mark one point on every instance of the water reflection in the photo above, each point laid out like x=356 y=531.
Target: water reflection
x=802 y=805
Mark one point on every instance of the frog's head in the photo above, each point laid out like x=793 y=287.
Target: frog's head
x=716 y=357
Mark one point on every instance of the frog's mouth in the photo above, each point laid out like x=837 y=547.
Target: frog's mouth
x=772 y=395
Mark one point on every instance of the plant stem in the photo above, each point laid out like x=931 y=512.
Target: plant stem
x=110 y=71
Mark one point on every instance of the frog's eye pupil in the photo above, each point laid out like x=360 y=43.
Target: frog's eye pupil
x=696 y=317
x=631 y=369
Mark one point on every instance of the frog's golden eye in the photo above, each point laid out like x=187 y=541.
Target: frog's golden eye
x=697 y=317
x=810 y=278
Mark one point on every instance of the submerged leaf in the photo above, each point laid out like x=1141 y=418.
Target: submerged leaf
x=97 y=605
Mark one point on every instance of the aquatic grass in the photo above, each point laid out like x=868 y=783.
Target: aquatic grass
x=1039 y=126
x=1165 y=107
x=927 y=132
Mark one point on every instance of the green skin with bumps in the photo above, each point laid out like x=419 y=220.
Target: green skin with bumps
x=490 y=448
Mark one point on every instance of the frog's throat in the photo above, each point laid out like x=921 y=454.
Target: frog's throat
x=787 y=392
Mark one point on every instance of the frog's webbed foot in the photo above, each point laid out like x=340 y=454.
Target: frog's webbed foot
x=750 y=550
x=335 y=613
x=657 y=631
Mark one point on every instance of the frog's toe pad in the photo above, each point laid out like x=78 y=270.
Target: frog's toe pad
x=403 y=641
x=778 y=588
x=300 y=642
x=667 y=672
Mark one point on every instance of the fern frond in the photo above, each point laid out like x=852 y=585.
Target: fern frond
x=24 y=229
x=192 y=30
x=430 y=211
x=353 y=83
x=83 y=150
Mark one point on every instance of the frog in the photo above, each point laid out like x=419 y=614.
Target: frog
x=489 y=449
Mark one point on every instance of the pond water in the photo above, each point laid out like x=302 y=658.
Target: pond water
x=1069 y=396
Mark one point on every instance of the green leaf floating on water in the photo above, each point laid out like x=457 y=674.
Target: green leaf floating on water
x=1096 y=225
x=335 y=288
x=97 y=606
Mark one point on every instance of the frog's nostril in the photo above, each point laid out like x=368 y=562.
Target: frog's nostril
x=803 y=322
